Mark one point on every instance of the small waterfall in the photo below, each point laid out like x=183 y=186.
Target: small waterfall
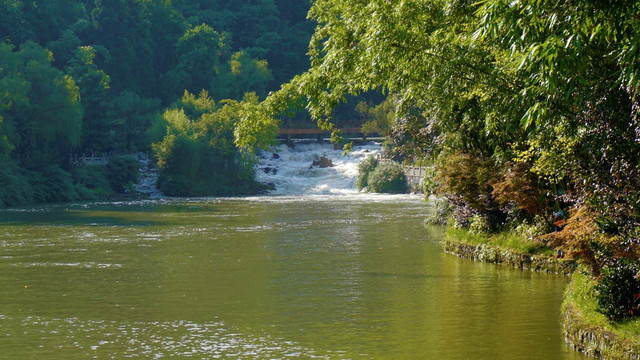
x=292 y=172
x=148 y=177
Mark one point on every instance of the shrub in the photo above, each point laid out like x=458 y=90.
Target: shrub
x=16 y=189
x=93 y=177
x=582 y=239
x=538 y=227
x=52 y=185
x=122 y=171
x=479 y=224
x=466 y=181
x=439 y=212
x=91 y=182
x=388 y=177
x=520 y=187
x=462 y=215
x=618 y=291
x=365 y=168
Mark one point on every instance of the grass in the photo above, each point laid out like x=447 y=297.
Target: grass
x=581 y=296
x=503 y=240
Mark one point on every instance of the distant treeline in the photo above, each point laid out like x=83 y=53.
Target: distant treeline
x=95 y=76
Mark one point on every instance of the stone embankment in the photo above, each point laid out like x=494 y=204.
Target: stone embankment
x=490 y=254
x=595 y=341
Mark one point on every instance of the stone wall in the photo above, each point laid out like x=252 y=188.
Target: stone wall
x=597 y=342
x=490 y=254
x=415 y=177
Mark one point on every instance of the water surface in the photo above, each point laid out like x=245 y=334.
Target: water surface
x=356 y=277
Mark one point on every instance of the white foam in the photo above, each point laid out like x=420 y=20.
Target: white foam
x=292 y=173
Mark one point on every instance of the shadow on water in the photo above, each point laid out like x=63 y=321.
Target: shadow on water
x=122 y=214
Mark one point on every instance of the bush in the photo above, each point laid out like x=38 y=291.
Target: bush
x=365 y=168
x=16 y=189
x=465 y=179
x=53 y=185
x=91 y=182
x=388 y=177
x=121 y=171
x=618 y=291
x=582 y=239
x=479 y=224
x=439 y=212
x=538 y=227
x=462 y=215
x=519 y=187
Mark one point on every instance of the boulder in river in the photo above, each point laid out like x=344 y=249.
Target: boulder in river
x=323 y=162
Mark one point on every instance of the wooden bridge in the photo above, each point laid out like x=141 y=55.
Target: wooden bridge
x=302 y=129
x=318 y=131
x=287 y=134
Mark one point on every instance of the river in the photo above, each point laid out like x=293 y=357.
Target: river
x=315 y=272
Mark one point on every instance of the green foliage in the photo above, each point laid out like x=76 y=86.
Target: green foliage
x=41 y=112
x=379 y=118
x=15 y=189
x=580 y=298
x=365 y=168
x=387 y=177
x=122 y=172
x=466 y=180
x=91 y=182
x=429 y=184
x=439 y=212
x=478 y=224
x=52 y=185
x=256 y=128
x=197 y=156
x=109 y=67
x=381 y=176
x=618 y=290
x=538 y=227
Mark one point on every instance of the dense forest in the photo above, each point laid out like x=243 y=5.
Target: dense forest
x=526 y=114
x=115 y=77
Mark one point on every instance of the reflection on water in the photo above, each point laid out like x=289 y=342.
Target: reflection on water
x=274 y=277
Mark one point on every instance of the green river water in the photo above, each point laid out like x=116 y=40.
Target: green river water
x=330 y=277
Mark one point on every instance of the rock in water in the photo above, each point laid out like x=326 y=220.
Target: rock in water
x=323 y=162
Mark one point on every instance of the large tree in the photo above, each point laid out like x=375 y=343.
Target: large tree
x=549 y=85
x=40 y=106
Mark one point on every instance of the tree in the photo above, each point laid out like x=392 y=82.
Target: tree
x=94 y=85
x=550 y=85
x=43 y=114
x=197 y=155
x=202 y=53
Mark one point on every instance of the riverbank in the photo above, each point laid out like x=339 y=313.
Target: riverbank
x=589 y=331
x=510 y=250
x=585 y=329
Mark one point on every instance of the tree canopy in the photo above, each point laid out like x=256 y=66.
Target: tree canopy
x=523 y=107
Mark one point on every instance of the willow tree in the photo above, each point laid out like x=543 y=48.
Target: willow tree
x=552 y=85
x=420 y=51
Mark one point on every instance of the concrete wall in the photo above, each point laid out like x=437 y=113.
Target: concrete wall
x=415 y=177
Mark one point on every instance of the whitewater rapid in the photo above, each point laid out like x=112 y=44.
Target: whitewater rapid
x=290 y=169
